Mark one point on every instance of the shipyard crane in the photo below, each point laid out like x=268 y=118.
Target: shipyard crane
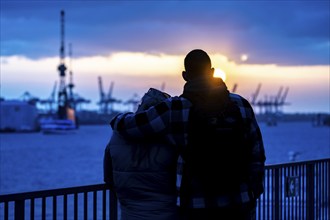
x=51 y=100
x=277 y=98
x=71 y=85
x=66 y=118
x=102 y=95
x=62 y=93
x=234 y=88
x=27 y=97
x=110 y=100
x=133 y=102
x=52 y=96
x=106 y=100
x=283 y=98
x=255 y=95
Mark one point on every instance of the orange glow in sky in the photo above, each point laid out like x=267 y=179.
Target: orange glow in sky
x=134 y=73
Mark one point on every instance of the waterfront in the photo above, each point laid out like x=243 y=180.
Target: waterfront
x=35 y=161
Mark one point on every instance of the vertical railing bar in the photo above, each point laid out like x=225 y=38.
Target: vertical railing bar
x=94 y=205
x=104 y=204
x=85 y=206
x=316 y=190
x=291 y=204
x=283 y=193
x=6 y=211
x=110 y=204
x=65 y=206
x=114 y=204
x=75 y=206
x=43 y=210
x=277 y=192
x=292 y=197
x=32 y=209
x=304 y=189
x=319 y=174
x=285 y=197
x=299 y=199
x=310 y=191
x=19 y=209
x=264 y=196
x=326 y=193
x=268 y=180
x=288 y=198
x=54 y=207
x=259 y=208
x=282 y=185
x=327 y=188
x=322 y=191
x=295 y=197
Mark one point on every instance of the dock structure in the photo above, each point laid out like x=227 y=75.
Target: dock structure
x=298 y=190
x=271 y=106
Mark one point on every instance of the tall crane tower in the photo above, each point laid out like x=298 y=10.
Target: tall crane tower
x=71 y=98
x=62 y=94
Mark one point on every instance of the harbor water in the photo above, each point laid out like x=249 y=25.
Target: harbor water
x=37 y=161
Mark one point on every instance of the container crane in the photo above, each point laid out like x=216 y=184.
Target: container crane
x=106 y=100
x=71 y=85
x=66 y=119
x=62 y=93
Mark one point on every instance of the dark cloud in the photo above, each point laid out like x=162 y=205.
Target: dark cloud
x=281 y=32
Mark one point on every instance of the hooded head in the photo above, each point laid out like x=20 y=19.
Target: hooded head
x=197 y=63
x=151 y=98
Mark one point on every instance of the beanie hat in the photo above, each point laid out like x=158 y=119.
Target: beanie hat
x=151 y=98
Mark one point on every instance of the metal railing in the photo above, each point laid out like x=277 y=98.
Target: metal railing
x=83 y=202
x=299 y=190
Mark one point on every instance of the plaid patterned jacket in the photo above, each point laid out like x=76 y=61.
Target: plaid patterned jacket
x=170 y=119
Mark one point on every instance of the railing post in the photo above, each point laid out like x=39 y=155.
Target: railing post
x=277 y=194
x=113 y=205
x=310 y=191
x=19 y=209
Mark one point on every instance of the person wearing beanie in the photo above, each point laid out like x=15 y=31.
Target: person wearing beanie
x=142 y=173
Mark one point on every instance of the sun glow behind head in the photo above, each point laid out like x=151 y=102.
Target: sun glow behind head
x=218 y=73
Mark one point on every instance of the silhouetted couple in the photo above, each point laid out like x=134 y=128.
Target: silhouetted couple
x=198 y=156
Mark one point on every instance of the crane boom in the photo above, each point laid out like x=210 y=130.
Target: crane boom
x=255 y=94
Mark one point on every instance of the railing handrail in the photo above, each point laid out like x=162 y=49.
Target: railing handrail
x=52 y=192
x=271 y=166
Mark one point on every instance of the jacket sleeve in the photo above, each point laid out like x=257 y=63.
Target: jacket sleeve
x=257 y=158
x=107 y=166
x=152 y=121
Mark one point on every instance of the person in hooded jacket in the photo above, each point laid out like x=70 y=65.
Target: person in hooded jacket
x=222 y=156
x=142 y=172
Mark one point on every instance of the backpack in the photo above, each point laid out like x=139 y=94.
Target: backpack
x=216 y=154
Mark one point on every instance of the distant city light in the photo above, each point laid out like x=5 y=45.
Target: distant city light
x=219 y=74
